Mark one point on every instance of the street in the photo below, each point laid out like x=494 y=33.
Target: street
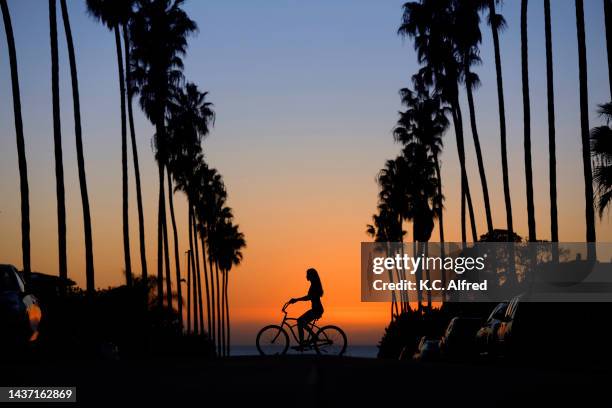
x=311 y=381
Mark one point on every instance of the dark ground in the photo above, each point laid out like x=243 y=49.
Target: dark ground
x=313 y=381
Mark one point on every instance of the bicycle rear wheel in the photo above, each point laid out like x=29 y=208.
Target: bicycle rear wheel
x=331 y=341
x=272 y=340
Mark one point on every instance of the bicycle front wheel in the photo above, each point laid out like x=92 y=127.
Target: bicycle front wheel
x=331 y=341
x=272 y=340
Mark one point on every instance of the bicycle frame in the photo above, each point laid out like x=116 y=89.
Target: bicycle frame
x=290 y=326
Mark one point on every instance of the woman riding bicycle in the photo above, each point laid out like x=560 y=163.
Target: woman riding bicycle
x=315 y=293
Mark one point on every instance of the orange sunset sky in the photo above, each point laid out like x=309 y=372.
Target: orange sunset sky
x=306 y=98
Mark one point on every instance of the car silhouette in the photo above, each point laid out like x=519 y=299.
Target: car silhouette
x=428 y=349
x=531 y=329
x=486 y=337
x=20 y=313
x=459 y=339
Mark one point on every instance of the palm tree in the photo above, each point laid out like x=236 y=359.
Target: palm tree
x=177 y=263
x=393 y=204
x=185 y=172
x=201 y=173
x=130 y=95
x=386 y=228
x=166 y=253
x=57 y=143
x=422 y=190
x=601 y=152
x=214 y=212
x=230 y=242
x=425 y=122
x=21 y=155
x=194 y=178
x=468 y=37
x=189 y=178
x=114 y=13
x=584 y=126
x=188 y=252
x=608 y=20
x=190 y=117
x=89 y=264
x=431 y=24
x=527 y=124
x=192 y=268
x=197 y=283
x=497 y=23
x=552 y=150
x=159 y=31
x=210 y=312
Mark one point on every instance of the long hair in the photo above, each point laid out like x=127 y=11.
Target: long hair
x=315 y=282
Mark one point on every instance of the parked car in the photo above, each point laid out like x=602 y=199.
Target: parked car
x=535 y=329
x=427 y=350
x=486 y=336
x=529 y=329
x=459 y=340
x=20 y=313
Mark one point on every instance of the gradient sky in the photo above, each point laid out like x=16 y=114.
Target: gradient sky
x=306 y=99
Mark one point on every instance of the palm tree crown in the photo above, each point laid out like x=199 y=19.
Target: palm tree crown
x=601 y=152
x=159 y=33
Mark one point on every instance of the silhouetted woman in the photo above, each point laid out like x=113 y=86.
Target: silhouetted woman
x=315 y=293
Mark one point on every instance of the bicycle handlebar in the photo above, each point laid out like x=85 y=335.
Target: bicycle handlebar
x=285 y=306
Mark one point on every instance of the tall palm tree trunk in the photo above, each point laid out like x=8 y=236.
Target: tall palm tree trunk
x=394 y=308
x=440 y=216
x=57 y=142
x=141 y=231
x=584 y=126
x=21 y=155
x=196 y=316
x=206 y=287
x=89 y=264
x=458 y=124
x=608 y=19
x=161 y=209
x=177 y=261
x=227 y=315
x=481 y=169
x=124 y=175
x=402 y=273
x=167 y=262
x=189 y=285
x=196 y=271
x=552 y=150
x=427 y=274
x=199 y=294
x=219 y=322
x=192 y=261
x=462 y=187
x=531 y=224
x=213 y=325
x=463 y=227
x=419 y=271
x=223 y=340
x=163 y=226
x=502 y=120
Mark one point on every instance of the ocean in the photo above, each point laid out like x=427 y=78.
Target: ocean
x=362 y=351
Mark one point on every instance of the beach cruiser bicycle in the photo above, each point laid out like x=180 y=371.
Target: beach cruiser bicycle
x=274 y=339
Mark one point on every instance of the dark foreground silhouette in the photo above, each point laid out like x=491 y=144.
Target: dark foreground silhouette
x=314 y=381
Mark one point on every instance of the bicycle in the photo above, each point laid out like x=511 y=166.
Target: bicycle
x=274 y=339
